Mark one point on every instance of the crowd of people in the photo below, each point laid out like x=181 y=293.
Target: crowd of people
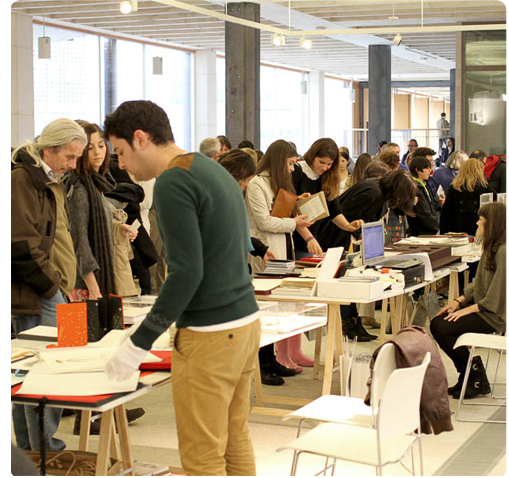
x=74 y=202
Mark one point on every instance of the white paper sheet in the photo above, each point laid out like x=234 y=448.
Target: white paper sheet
x=74 y=384
x=41 y=331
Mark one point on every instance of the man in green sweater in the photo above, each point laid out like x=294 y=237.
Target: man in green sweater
x=202 y=220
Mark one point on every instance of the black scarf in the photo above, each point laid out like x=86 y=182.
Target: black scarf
x=98 y=232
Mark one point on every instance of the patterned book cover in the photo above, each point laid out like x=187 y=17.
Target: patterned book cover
x=72 y=324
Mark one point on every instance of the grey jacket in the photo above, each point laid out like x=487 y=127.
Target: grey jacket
x=488 y=291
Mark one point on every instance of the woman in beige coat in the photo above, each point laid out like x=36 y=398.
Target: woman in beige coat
x=273 y=173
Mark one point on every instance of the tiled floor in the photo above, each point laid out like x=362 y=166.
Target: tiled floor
x=154 y=439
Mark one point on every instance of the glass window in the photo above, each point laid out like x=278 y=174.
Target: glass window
x=338 y=112
x=67 y=85
x=284 y=107
x=220 y=95
x=171 y=90
x=485 y=48
x=486 y=111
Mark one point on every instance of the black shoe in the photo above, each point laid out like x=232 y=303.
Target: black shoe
x=478 y=383
x=457 y=387
x=362 y=331
x=350 y=330
x=280 y=370
x=270 y=378
x=95 y=426
x=134 y=413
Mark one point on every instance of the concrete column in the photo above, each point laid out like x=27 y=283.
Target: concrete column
x=316 y=92
x=242 y=46
x=110 y=75
x=452 y=119
x=22 y=79
x=379 y=96
x=205 y=94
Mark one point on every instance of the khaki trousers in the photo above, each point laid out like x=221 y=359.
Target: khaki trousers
x=211 y=375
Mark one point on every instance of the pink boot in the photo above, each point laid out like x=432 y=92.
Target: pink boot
x=296 y=353
x=283 y=355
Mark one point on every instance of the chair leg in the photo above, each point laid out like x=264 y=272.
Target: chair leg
x=465 y=380
x=413 y=461
x=294 y=463
x=421 y=460
x=496 y=373
x=326 y=466
x=333 y=468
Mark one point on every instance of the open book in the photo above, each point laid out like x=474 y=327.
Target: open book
x=315 y=206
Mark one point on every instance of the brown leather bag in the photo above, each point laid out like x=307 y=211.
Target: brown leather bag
x=283 y=204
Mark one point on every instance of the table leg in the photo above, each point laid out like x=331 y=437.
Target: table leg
x=258 y=385
x=333 y=321
x=85 y=430
x=453 y=286
x=466 y=275
x=383 y=321
x=318 y=351
x=123 y=438
x=105 y=437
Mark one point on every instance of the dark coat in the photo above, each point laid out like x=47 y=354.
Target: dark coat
x=459 y=212
x=426 y=219
x=33 y=226
x=364 y=200
x=412 y=343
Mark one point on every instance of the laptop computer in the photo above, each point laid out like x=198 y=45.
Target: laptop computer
x=372 y=248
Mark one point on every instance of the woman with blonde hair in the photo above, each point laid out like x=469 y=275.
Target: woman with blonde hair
x=445 y=176
x=459 y=212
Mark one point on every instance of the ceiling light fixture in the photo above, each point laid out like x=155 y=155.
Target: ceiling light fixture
x=305 y=43
x=397 y=40
x=128 y=6
x=157 y=65
x=277 y=40
x=44 y=42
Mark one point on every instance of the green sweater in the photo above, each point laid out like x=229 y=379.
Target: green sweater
x=488 y=291
x=202 y=219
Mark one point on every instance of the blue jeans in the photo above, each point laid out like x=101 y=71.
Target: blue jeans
x=25 y=418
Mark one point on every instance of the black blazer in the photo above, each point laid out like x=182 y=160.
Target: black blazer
x=426 y=220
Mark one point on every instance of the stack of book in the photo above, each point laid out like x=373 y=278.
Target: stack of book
x=279 y=267
x=296 y=287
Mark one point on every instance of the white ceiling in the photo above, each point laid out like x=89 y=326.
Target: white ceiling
x=421 y=56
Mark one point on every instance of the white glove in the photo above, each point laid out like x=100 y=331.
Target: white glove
x=125 y=361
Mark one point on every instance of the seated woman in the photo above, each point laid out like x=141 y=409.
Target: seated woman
x=482 y=307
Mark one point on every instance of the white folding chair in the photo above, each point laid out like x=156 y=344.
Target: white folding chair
x=486 y=341
x=350 y=410
x=394 y=435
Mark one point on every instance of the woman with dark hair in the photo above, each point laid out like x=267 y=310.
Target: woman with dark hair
x=425 y=220
x=90 y=216
x=273 y=173
x=376 y=169
x=361 y=164
x=225 y=144
x=481 y=309
x=319 y=171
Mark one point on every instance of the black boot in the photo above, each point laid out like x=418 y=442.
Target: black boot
x=351 y=331
x=270 y=378
x=132 y=414
x=280 y=370
x=362 y=331
x=478 y=383
x=451 y=390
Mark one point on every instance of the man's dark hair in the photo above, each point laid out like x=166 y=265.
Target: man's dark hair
x=418 y=163
x=246 y=144
x=382 y=143
x=477 y=154
x=443 y=114
x=414 y=140
x=424 y=152
x=140 y=114
x=238 y=163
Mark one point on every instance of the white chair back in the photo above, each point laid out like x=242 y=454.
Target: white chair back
x=399 y=407
x=384 y=365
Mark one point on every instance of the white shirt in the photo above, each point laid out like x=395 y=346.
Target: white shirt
x=234 y=324
x=49 y=172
